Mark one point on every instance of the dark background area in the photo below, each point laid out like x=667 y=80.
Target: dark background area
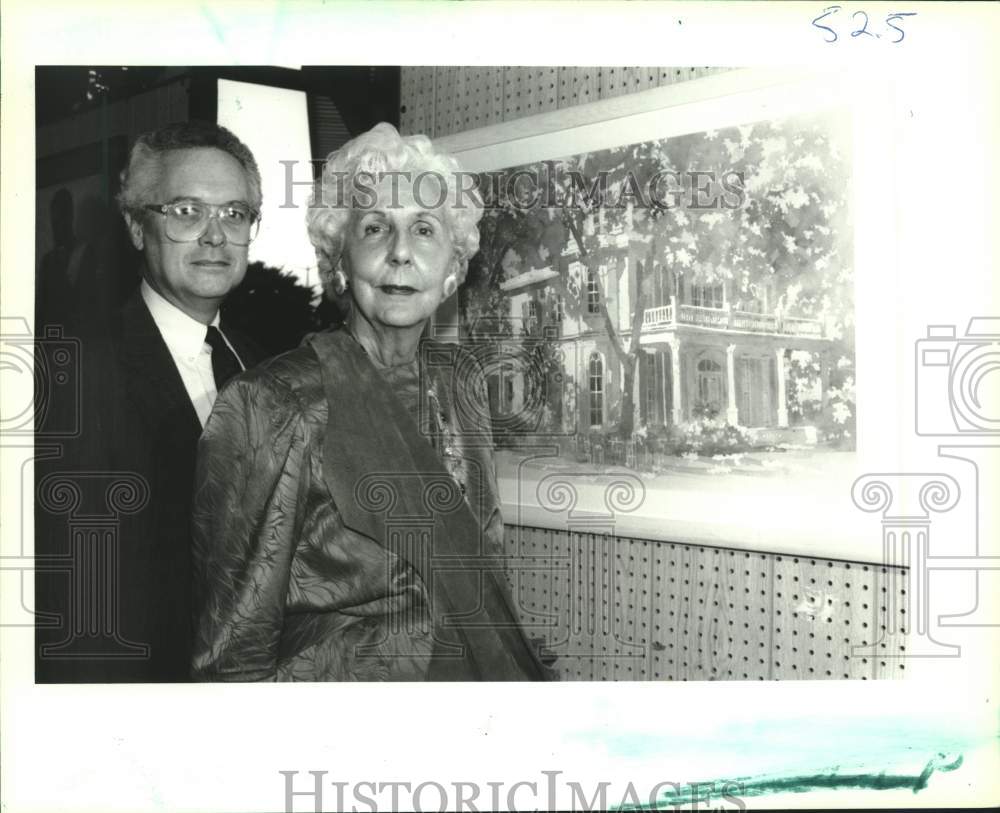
x=364 y=95
x=86 y=119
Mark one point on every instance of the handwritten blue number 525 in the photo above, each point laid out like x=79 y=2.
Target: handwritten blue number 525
x=831 y=34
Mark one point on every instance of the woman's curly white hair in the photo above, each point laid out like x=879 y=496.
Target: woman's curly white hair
x=383 y=150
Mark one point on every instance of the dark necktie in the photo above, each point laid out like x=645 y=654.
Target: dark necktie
x=224 y=362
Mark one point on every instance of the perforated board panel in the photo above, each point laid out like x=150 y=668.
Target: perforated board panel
x=438 y=101
x=617 y=608
x=633 y=585
x=417 y=94
x=451 y=83
x=740 y=603
x=890 y=622
x=620 y=81
x=578 y=86
x=527 y=91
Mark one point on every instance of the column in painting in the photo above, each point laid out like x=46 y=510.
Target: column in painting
x=779 y=357
x=516 y=405
x=732 y=413
x=824 y=379
x=662 y=357
x=676 y=386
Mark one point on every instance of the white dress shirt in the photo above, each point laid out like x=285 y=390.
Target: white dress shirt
x=185 y=339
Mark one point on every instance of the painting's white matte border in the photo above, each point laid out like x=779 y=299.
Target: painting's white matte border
x=823 y=524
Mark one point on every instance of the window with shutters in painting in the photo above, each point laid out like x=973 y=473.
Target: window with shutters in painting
x=596 y=376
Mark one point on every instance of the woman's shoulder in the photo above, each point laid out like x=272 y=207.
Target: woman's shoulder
x=295 y=374
x=276 y=400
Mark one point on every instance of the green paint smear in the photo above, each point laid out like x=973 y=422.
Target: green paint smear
x=750 y=787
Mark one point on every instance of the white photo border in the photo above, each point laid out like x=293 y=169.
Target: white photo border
x=199 y=748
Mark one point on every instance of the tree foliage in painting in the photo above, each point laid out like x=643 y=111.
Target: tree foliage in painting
x=783 y=226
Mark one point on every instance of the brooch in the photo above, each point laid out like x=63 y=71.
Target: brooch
x=450 y=455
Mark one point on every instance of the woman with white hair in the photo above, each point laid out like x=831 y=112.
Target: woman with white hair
x=347 y=522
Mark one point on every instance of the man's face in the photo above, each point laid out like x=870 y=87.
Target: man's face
x=195 y=276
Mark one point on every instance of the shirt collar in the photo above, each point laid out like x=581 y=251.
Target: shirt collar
x=183 y=335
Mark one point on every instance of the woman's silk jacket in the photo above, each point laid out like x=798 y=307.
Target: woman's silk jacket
x=336 y=538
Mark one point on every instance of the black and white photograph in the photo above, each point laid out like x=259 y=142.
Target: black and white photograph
x=662 y=398
x=668 y=317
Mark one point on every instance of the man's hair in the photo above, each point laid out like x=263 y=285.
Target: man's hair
x=141 y=176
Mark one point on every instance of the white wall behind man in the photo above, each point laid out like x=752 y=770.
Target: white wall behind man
x=274 y=123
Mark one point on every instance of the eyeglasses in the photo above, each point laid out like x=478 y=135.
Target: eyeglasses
x=187 y=220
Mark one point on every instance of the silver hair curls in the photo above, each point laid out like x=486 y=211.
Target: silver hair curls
x=359 y=164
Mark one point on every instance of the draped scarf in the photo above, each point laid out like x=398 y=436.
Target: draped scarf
x=432 y=508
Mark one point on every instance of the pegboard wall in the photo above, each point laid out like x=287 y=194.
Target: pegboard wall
x=439 y=101
x=618 y=608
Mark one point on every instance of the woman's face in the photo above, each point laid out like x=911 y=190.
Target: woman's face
x=397 y=255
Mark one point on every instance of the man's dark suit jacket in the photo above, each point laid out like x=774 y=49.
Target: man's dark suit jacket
x=113 y=574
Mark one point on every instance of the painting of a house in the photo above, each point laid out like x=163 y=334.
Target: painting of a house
x=733 y=307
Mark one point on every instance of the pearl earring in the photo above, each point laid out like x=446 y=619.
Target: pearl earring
x=450 y=285
x=340 y=282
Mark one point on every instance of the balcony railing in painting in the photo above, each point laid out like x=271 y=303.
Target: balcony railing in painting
x=802 y=327
x=663 y=316
x=707 y=317
x=755 y=322
x=653 y=317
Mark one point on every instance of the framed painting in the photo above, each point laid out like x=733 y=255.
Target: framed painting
x=670 y=283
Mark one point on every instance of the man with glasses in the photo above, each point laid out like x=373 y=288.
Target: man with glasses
x=191 y=197
x=192 y=211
